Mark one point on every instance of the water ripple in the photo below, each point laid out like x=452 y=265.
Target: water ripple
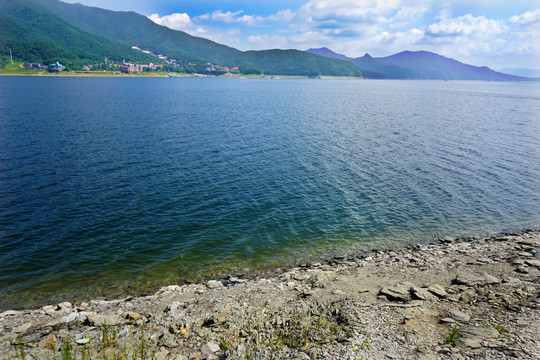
x=141 y=183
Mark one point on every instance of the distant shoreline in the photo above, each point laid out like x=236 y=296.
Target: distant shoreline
x=174 y=75
x=267 y=77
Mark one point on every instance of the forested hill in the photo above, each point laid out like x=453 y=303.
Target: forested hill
x=35 y=34
x=129 y=28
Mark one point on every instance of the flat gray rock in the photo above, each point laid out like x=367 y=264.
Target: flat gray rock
x=437 y=290
x=397 y=292
x=484 y=332
x=459 y=316
x=533 y=262
x=422 y=294
x=472 y=336
x=474 y=279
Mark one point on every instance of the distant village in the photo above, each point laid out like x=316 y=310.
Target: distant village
x=129 y=68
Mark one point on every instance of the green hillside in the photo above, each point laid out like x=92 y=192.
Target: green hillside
x=131 y=28
x=35 y=34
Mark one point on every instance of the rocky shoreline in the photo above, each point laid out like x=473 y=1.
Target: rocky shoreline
x=474 y=298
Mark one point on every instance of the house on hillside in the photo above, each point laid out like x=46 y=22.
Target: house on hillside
x=33 y=66
x=56 y=67
x=128 y=68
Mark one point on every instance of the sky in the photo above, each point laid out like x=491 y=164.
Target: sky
x=495 y=33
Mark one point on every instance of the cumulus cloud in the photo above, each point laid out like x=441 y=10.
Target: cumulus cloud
x=346 y=10
x=410 y=37
x=282 y=15
x=176 y=21
x=380 y=27
x=465 y=25
x=529 y=17
x=232 y=17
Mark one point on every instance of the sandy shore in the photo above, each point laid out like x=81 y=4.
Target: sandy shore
x=475 y=298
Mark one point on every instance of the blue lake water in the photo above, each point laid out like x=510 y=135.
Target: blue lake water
x=117 y=185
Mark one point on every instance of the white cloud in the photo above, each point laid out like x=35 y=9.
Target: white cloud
x=176 y=21
x=411 y=13
x=466 y=25
x=282 y=15
x=346 y=10
x=412 y=36
x=231 y=17
x=183 y=22
x=264 y=42
x=380 y=27
x=526 y=18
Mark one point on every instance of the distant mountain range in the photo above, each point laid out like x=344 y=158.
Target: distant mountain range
x=50 y=30
x=533 y=73
x=419 y=65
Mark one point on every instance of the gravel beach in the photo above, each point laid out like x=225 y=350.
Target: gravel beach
x=467 y=298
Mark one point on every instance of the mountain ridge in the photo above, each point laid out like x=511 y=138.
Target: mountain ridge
x=33 y=33
x=51 y=29
x=130 y=29
x=420 y=65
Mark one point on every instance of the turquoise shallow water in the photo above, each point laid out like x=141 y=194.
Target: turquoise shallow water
x=118 y=185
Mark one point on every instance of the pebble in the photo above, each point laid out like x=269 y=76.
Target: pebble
x=210 y=348
x=133 y=316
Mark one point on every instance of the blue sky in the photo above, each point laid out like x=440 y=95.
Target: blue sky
x=495 y=33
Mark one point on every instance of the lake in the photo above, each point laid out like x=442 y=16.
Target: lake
x=113 y=186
